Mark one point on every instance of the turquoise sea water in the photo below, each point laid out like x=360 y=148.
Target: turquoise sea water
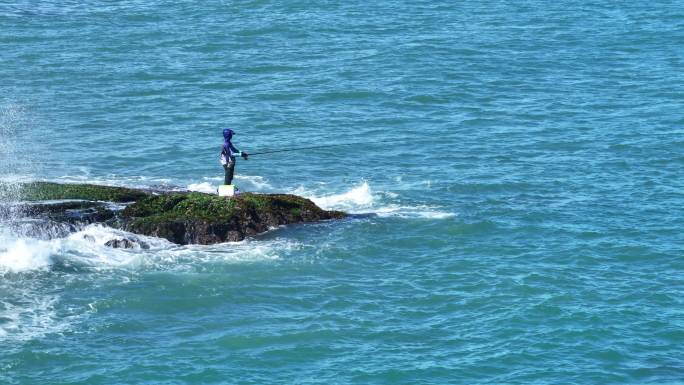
x=528 y=217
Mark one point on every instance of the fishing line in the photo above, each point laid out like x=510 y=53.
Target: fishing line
x=322 y=146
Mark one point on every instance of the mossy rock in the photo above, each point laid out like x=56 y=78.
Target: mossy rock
x=193 y=205
x=40 y=191
x=202 y=218
x=180 y=217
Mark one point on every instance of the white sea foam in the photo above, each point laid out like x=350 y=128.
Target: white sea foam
x=86 y=249
x=247 y=251
x=83 y=248
x=19 y=254
x=14 y=179
x=419 y=211
x=358 y=198
x=244 y=182
x=362 y=199
x=253 y=183
x=205 y=187
x=30 y=314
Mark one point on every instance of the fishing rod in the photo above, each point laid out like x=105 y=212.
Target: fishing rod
x=322 y=146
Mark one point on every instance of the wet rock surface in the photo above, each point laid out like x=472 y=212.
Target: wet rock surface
x=180 y=217
x=77 y=212
x=198 y=218
x=125 y=243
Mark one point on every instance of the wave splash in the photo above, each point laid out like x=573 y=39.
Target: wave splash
x=22 y=254
x=357 y=198
x=86 y=250
x=361 y=199
x=34 y=273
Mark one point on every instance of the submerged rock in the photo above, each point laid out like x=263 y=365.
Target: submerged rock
x=180 y=217
x=53 y=219
x=77 y=212
x=125 y=243
x=44 y=229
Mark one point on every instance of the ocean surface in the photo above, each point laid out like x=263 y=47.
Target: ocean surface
x=522 y=161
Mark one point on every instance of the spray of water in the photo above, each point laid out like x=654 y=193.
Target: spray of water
x=16 y=163
x=12 y=120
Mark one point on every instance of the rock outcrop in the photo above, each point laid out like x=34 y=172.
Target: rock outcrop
x=180 y=217
x=199 y=218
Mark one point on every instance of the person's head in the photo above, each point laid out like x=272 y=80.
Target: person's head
x=228 y=134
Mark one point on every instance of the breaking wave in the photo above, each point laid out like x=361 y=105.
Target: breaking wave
x=31 y=290
x=361 y=199
x=86 y=249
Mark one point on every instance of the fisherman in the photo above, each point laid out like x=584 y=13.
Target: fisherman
x=228 y=154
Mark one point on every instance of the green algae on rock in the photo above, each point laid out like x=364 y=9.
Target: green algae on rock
x=40 y=191
x=180 y=217
x=200 y=218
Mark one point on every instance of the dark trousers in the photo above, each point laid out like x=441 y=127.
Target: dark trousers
x=229 y=169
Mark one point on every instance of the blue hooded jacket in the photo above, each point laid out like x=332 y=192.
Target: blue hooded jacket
x=228 y=149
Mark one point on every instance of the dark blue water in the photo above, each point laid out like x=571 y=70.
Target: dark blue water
x=523 y=160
